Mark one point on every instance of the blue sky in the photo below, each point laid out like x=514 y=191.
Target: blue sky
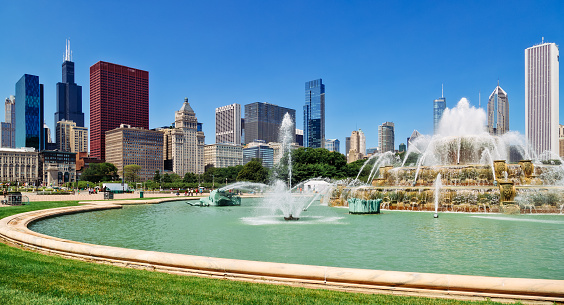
x=379 y=60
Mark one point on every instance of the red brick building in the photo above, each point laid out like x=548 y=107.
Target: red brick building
x=118 y=95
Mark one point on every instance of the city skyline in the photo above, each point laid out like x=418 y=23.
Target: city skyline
x=366 y=54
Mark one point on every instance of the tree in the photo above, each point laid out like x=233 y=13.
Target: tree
x=167 y=178
x=131 y=172
x=253 y=171
x=97 y=172
x=190 y=178
x=157 y=176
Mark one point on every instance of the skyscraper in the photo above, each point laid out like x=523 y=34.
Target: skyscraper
x=332 y=145
x=7 y=132
x=439 y=106
x=118 y=95
x=357 y=146
x=542 y=97
x=29 y=113
x=184 y=144
x=263 y=121
x=228 y=124
x=70 y=137
x=69 y=94
x=314 y=114
x=498 y=112
x=386 y=137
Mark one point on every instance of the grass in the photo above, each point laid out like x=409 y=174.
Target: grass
x=33 y=278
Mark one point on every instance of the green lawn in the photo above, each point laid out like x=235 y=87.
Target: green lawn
x=32 y=278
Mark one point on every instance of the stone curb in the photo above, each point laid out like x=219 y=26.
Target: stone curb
x=14 y=231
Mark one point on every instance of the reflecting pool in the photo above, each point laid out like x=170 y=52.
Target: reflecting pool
x=528 y=246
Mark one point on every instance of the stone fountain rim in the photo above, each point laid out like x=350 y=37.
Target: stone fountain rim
x=14 y=231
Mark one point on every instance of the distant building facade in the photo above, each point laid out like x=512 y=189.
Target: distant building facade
x=7 y=131
x=439 y=106
x=357 y=149
x=29 y=113
x=402 y=147
x=386 y=137
x=498 y=112
x=300 y=137
x=542 y=97
x=19 y=165
x=228 y=124
x=118 y=95
x=223 y=155
x=332 y=145
x=278 y=151
x=261 y=151
x=70 y=137
x=561 y=140
x=347 y=146
x=414 y=135
x=57 y=167
x=314 y=114
x=69 y=94
x=184 y=144
x=263 y=121
x=128 y=145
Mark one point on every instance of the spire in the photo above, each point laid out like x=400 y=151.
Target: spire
x=68 y=52
x=442 y=90
x=479 y=99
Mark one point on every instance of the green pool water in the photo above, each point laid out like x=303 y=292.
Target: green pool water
x=528 y=246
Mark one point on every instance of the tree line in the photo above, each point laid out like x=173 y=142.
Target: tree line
x=306 y=163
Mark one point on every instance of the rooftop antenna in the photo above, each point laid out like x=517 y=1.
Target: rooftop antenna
x=68 y=52
x=542 y=41
x=479 y=99
x=442 y=90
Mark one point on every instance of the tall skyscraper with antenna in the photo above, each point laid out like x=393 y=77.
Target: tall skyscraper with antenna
x=439 y=106
x=69 y=94
x=542 y=97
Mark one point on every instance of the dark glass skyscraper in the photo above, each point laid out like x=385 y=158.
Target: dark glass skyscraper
x=263 y=121
x=29 y=113
x=69 y=94
x=314 y=114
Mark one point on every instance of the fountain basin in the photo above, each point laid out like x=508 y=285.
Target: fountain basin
x=328 y=276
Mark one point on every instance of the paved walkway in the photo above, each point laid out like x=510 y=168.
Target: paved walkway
x=84 y=196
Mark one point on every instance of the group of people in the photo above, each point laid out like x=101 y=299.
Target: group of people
x=189 y=192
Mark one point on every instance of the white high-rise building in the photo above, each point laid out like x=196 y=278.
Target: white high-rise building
x=228 y=124
x=185 y=142
x=542 y=97
x=498 y=112
x=386 y=137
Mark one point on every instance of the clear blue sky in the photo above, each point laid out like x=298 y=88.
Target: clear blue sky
x=380 y=60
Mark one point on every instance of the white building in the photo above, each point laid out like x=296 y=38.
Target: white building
x=223 y=155
x=498 y=112
x=542 y=97
x=184 y=143
x=228 y=124
x=19 y=164
x=277 y=150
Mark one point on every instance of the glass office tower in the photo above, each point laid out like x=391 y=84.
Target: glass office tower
x=314 y=114
x=29 y=113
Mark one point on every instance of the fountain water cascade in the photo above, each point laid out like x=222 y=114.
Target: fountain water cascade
x=463 y=168
x=281 y=198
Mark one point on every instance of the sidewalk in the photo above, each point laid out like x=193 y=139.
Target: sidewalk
x=84 y=196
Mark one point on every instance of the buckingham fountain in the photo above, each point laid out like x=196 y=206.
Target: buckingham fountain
x=462 y=169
